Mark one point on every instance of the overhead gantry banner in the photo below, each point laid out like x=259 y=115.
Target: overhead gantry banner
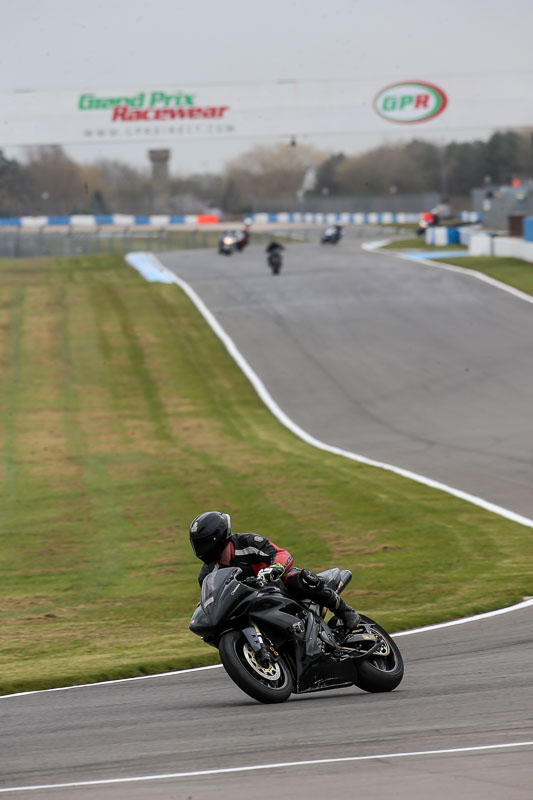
x=274 y=109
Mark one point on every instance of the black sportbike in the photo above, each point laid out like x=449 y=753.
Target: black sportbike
x=275 y=261
x=272 y=645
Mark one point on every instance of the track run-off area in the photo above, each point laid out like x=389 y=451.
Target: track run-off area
x=424 y=369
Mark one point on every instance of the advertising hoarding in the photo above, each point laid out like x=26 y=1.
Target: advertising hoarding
x=266 y=110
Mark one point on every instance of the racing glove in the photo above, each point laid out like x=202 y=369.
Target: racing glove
x=268 y=574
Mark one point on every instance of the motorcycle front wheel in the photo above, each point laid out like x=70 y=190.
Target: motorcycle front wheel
x=383 y=670
x=271 y=684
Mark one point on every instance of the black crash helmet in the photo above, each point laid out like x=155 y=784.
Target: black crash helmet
x=209 y=534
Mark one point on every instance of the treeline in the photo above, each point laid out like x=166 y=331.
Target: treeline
x=49 y=182
x=421 y=166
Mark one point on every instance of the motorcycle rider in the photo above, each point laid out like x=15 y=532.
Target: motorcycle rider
x=333 y=233
x=273 y=245
x=213 y=542
x=243 y=237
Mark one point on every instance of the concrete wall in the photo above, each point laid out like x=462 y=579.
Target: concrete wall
x=483 y=244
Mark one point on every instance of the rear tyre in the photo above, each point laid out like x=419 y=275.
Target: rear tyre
x=383 y=670
x=268 y=685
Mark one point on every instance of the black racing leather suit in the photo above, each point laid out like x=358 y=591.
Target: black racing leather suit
x=252 y=553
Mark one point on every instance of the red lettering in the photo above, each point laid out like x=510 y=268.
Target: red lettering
x=126 y=114
x=119 y=112
x=421 y=101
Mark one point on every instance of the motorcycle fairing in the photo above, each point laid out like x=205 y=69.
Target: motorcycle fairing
x=317 y=660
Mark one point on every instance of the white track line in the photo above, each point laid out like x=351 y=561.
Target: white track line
x=374 y=247
x=476 y=618
x=147 y=263
x=255 y=767
x=109 y=683
x=151 y=268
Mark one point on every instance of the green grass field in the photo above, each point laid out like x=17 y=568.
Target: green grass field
x=122 y=418
x=419 y=244
x=513 y=271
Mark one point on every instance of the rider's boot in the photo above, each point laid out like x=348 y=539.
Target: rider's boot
x=343 y=611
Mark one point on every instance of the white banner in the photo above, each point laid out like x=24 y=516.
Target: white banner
x=267 y=110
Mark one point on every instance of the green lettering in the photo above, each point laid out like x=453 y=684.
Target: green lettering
x=406 y=100
x=157 y=97
x=137 y=101
x=86 y=102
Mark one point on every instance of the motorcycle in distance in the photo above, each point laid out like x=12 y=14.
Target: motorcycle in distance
x=272 y=645
x=429 y=219
x=243 y=237
x=332 y=235
x=227 y=243
x=274 y=257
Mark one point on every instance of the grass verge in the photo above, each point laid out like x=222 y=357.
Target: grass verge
x=122 y=418
x=419 y=244
x=513 y=271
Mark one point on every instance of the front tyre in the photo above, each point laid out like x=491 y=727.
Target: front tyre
x=271 y=684
x=383 y=670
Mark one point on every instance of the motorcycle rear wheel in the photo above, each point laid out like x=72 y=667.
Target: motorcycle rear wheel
x=383 y=670
x=273 y=685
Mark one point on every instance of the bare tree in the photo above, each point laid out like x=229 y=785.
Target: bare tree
x=267 y=170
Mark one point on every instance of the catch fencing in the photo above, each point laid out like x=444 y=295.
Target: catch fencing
x=18 y=243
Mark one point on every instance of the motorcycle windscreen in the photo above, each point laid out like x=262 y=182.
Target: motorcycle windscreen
x=215 y=582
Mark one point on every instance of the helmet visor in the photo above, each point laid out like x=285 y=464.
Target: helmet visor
x=204 y=547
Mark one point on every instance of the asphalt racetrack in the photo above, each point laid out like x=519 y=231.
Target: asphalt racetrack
x=400 y=362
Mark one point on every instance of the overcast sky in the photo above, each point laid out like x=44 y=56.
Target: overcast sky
x=117 y=44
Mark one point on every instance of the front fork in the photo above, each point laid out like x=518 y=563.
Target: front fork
x=264 y=652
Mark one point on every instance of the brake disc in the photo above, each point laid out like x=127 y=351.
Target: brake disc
x=271 y=673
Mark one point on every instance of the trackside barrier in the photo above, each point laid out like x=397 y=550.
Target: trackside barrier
x=164 y=220
x=527 y=227
x=58 y=241
x=442 y=236
x=117 y=220
x=341 y=218
x=487 y=244
x=470 y=216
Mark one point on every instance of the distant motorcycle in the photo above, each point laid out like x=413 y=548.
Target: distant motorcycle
x=275 y=261
x=227 y=243
x=429 y=219
x=272 y=645
x=274 y=257
x=243 y=237
x=332 y=235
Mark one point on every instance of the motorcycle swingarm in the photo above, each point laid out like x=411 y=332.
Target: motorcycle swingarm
x=357 y=655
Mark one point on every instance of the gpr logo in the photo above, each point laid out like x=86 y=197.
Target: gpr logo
x=407 y=103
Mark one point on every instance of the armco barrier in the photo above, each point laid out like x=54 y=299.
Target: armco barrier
x=117 y=220
x=163 y=220
x=341 y=218
x=441 y=236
